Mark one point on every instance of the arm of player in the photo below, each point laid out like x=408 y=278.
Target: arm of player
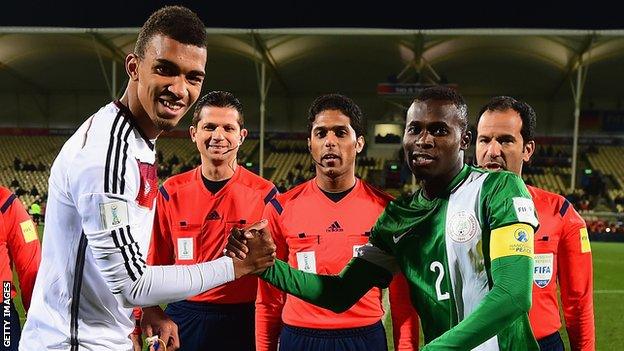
x=574 y=262
x=110 y=231
x=333 y=292
x=509 y=298
x=337 y=293
x=24 y=248
x=404 y=316
x=269 y=300
x=160 y=251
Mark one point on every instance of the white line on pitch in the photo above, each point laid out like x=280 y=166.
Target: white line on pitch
x=608 y=291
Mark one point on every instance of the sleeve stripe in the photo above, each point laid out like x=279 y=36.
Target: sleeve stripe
x=164 y=192
x=564 y=208
x=113 y=173
x=130 y=251
x=77 y=284
x=124 y=124
x=110 y=152
x=123 y=253
x=277 y=205
x=123 y=162
x=7 y=203
x=270 y=195
x=133 y=253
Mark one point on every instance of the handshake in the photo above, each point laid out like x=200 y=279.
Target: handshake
x=252 y=249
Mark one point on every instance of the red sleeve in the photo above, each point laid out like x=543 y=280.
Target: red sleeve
x=270 y=301
x=160 y=251
x=574 y=262
x=24 y=248
x=137 y=312
x=404 y=316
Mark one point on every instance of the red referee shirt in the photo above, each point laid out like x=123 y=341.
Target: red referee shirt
x=19 y=245
x=317 y=235
x=563 y=255
x=192 y=225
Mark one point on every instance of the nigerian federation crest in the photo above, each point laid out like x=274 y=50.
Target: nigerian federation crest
x=462 y=226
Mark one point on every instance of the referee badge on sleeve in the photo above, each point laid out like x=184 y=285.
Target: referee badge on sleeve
x=28 y=231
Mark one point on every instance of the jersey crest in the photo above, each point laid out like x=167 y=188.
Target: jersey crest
x=463 y=226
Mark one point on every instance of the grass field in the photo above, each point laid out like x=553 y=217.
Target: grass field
x=608 y=295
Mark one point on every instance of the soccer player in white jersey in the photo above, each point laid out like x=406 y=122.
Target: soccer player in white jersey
x=102 y=192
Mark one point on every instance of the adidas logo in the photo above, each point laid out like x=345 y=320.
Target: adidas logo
x=214 y=215
x=334 y=227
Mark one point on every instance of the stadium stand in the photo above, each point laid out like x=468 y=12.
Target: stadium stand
x=25 y=166
x=609 y=161
x=25 y=161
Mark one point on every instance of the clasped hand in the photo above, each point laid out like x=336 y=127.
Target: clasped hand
x=252 y=249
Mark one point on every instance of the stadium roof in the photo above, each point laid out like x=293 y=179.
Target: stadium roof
x=303 y=61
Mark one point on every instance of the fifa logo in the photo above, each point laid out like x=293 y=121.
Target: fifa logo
x=115 y=220
x=306 y=264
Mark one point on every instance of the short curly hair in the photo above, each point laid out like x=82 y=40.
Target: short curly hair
x=176 y=22
x=340 y=103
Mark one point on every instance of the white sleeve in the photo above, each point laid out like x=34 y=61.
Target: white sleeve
x=111 y=222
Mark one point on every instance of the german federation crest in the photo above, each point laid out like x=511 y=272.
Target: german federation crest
x=543 y=269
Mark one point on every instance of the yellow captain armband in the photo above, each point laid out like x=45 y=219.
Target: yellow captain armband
x=512 y=240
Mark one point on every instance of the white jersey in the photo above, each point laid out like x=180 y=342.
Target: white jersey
x=102 y=192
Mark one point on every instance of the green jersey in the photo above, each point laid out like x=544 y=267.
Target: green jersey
x=467 y=256
x=443 y=247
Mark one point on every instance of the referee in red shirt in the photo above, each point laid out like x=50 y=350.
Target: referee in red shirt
x=505 y=140
x=317 y=227
x=19 y=248
x=195 y=212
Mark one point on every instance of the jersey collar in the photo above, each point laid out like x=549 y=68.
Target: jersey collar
x=455 y=183
x=125 y=111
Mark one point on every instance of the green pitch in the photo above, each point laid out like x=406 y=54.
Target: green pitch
x=608 y=296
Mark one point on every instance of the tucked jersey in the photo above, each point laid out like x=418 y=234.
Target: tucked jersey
x=102 y=192
x=563 y=256
x=446 y=247
x=318 y=235
x=19 y=245
x=192 y=225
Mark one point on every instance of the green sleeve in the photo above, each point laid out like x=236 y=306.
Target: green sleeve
x=506 y=200
x=334 y=292
x=508 y=300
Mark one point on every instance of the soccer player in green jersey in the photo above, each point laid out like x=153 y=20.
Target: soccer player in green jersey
x=464 y=242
